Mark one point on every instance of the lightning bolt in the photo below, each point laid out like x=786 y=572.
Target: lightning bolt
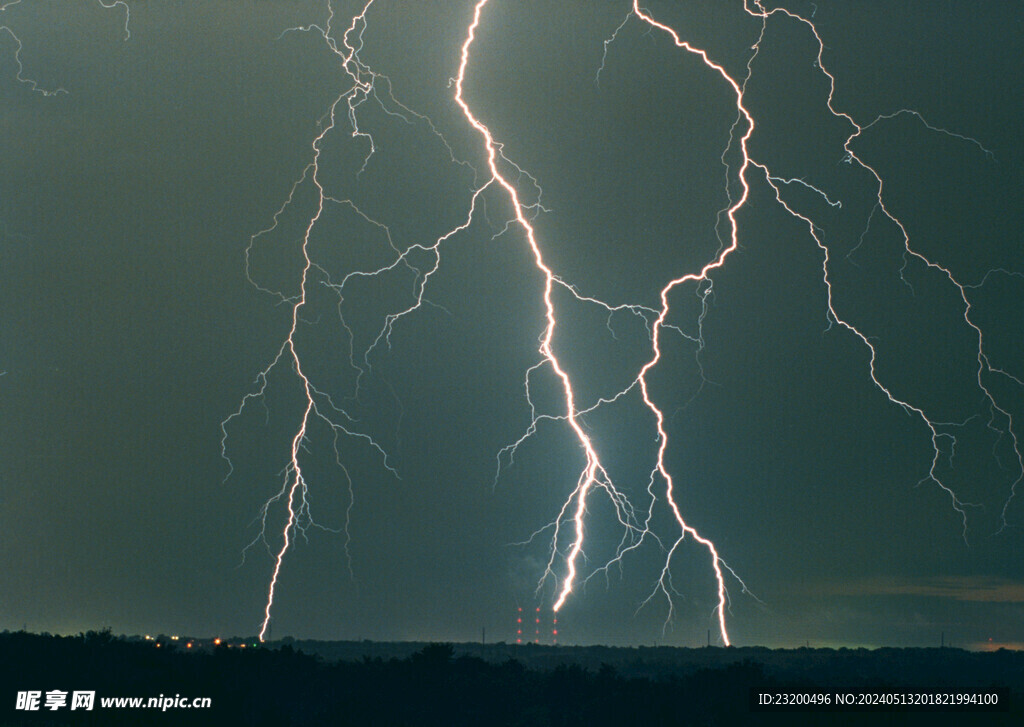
x=594 y=473
x=501 y=176
x=317 y=403
x=366 y=86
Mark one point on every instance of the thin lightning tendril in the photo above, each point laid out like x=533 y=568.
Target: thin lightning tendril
x=32 y=83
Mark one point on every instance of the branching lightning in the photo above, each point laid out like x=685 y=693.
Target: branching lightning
x=318 y=404
x=1001 y=419
x=567 y=531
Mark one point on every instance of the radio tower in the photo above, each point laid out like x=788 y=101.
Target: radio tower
x=538 y=620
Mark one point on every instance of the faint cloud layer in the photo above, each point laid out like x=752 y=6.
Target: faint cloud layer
x=960 y=588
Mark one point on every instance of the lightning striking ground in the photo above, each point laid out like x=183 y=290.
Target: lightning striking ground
x=568 y=529
x=317 y=404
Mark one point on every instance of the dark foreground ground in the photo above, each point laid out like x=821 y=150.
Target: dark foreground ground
x=363 y=683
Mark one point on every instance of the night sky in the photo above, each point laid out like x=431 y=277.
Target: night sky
x=136 y=319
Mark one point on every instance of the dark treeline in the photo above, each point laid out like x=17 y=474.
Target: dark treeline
x=914 y=667
x=438 y=686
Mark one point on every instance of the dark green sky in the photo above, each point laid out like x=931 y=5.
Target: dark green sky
x=130 y=332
